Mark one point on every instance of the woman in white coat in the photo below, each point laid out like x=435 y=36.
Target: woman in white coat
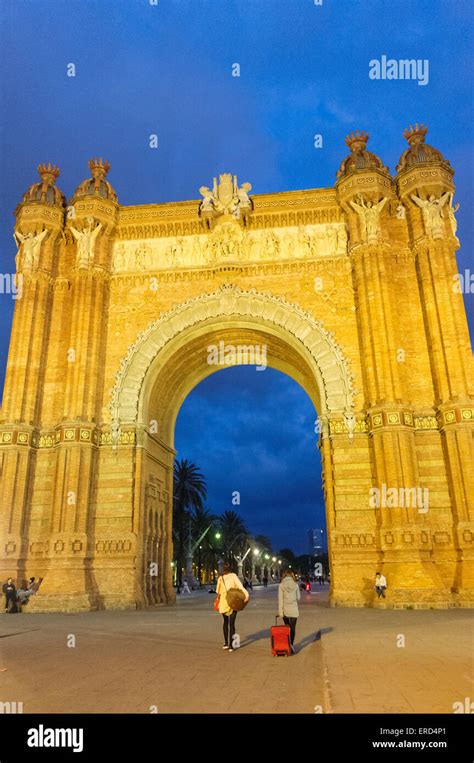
x=227 y=581
x=288 y=598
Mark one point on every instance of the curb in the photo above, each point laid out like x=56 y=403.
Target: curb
x=327 y=701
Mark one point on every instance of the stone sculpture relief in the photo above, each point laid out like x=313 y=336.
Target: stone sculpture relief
x=29 y=245
x=369 y=216
x=431 y=210
x=226 y=198
x=452 y=209
x=86 y=239
x=231 y=243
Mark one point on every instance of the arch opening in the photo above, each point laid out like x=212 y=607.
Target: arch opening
x=251 y=435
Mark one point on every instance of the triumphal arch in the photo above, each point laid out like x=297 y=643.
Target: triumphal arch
x=353 y=292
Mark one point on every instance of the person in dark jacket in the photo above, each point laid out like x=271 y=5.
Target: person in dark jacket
x=9 y=590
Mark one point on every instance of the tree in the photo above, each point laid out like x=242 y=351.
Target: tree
x=264 y=542
x=189 y=492
x=288 y=556
x=204 y=521
x=234 y=534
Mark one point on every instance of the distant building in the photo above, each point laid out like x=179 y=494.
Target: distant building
x=316 y=541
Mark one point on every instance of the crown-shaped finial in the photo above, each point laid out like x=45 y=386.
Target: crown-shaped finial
x=415 y=134
x=357 y=141
x=99 y=167
x=48 y=173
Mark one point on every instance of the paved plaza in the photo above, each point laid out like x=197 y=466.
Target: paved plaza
x=169 y=660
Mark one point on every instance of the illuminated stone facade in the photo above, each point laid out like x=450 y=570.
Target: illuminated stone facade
x=352 y=291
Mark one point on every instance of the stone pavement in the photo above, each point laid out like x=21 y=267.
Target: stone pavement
x=369 y=672
x=171 y=658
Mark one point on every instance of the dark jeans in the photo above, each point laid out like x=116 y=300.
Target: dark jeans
x=10 y=602
x=380 y=591
x=229 y=619
x=291 y=621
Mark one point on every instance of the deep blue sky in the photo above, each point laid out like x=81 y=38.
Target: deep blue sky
x=166 y=69
x=256 y=430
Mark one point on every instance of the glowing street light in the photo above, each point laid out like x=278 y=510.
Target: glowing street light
x=274 y=558
x=256 y=552
x=217 y=536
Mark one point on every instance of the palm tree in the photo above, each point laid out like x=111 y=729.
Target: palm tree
x=234 y=533
x=288 y=555
x=263 y=541
x=189 y=492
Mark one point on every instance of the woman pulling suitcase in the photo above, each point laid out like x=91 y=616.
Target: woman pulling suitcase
x=288 y=597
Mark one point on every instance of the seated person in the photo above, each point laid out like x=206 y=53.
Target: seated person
x=25 y=592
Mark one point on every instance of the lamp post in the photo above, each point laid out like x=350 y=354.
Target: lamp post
x=220 y=562
x=240 y=563
x=191 y=549
x=255 y=554
x=240 y=560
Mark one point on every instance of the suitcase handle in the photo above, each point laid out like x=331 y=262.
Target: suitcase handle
x=276 y=619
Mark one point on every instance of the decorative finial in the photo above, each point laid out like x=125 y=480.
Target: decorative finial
x=357 y=141
x=99 y=168
x=415 y=134
x=49 y=174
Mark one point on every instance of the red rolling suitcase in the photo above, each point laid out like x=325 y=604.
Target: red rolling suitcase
x=280 y=639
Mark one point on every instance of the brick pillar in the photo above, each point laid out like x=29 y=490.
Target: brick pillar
x=70 y=581
x=364 y=185
x=426 y=190
x=39 y=220
x=351 y=529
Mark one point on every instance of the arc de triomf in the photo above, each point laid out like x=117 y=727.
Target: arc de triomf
x=352 y=290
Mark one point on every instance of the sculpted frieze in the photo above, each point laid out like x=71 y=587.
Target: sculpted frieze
x=230 y=243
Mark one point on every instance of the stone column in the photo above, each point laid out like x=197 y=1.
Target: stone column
x=39 y=220
x=365 y=193
x=426 y=190
x=69 y=581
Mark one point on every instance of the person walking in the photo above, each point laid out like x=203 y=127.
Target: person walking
x=226 y=581
x=380 y=585
x=265 y=580
x=9 y=589
x=288 y=598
